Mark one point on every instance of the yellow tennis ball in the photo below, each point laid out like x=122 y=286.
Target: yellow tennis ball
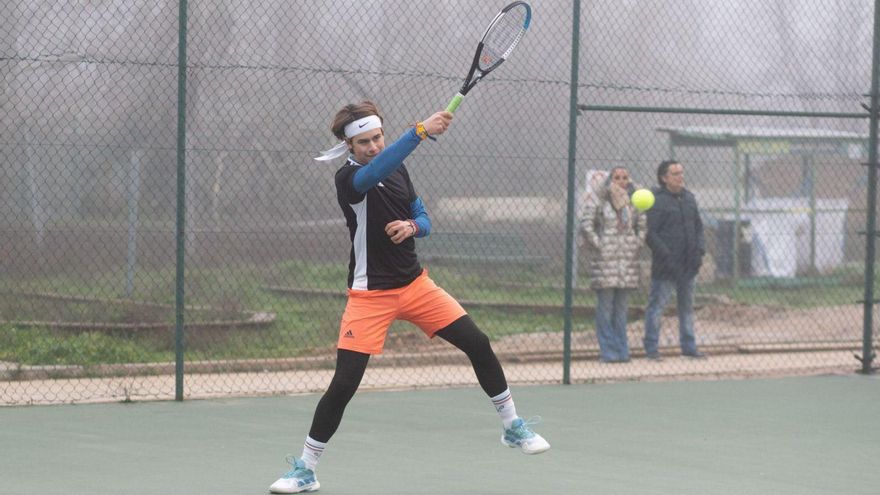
x=643 y=199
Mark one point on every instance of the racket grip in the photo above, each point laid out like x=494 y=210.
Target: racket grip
x=456 y=101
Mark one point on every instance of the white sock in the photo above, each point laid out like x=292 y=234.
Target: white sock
x=312 y=451
x=503 y=403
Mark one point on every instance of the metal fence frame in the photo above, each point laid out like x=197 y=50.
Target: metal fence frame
x=872 y=115
x=578 y=110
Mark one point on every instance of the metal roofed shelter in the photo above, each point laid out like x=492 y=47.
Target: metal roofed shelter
x=745 y=142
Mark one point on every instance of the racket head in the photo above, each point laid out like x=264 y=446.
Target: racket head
x=503 y=34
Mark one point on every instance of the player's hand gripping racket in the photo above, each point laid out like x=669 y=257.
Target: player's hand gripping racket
x=499 y=40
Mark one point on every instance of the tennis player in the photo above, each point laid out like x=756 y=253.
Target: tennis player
x=386 y=283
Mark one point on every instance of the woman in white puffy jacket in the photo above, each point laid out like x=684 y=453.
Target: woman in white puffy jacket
x=614 y=232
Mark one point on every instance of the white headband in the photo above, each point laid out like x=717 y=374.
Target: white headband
x=365 y=124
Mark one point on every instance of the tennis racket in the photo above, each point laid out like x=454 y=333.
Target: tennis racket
x=499 y=40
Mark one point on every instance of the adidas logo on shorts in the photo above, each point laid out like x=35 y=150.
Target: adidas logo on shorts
x=349 y=334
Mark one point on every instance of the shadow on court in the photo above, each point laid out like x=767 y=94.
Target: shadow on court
x=808 y=435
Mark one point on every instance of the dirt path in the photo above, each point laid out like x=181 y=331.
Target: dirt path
x=161 y=387
x=726 y=328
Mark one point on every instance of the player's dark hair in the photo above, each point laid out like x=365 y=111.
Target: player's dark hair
x=663 y=168
x=351 y=112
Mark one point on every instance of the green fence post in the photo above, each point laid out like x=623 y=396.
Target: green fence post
x=871 y=227
x=569 y=213
x=181 y=202
x=737 y=213
x=811 y=170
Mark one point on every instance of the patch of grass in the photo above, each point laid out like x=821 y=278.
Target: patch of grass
x=842 y=287
x=498 y=323
x=37 y=346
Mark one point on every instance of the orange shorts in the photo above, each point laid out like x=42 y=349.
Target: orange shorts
x=369 y=313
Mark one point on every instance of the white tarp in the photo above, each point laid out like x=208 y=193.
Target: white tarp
x=780 y=235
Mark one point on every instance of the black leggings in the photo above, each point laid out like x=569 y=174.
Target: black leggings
x=351 y=365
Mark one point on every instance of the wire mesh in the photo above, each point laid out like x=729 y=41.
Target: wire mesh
x=89 y=185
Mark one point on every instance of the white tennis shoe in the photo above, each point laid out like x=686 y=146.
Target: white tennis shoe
x=299 y=479
x=521 y=435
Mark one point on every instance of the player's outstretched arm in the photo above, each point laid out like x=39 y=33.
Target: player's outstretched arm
x=392 y=156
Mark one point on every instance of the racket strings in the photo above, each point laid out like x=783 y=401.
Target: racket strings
x=502 y=37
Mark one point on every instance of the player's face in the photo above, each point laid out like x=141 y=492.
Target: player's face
x=366 y=145
x=674 y=178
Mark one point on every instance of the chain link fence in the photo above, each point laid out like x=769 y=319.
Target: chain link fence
x=89 y=209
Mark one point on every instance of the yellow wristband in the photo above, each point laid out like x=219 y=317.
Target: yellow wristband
x=420 y=131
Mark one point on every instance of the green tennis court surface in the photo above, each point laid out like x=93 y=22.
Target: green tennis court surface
x=813 y=435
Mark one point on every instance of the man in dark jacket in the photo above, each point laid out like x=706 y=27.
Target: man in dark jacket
x=675 y=236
